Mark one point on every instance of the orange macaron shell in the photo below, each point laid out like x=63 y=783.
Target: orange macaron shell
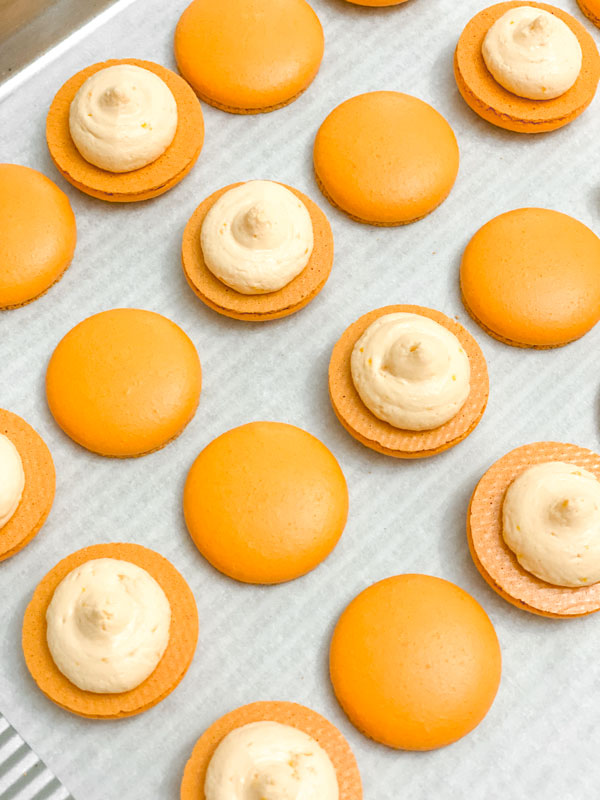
x=292 y=714
x=176 y=659
x=265 y=502
x=497 y=105
x=249 y=56
x=415 y=662
x=124 y=382
x=139 y=184
x=378 y=434
x=257 y=307
x=40 y=482
x=37 y=234
x=591 y=8
x=493 y=558
x=385 y=158
x=531 y=278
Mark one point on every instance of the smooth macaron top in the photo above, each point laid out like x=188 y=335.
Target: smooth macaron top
x=124 y=382
x=249 y=55
x=37 y=234
x=415 y=662
x=265 y=502
x=532 y=277
x=386 y=158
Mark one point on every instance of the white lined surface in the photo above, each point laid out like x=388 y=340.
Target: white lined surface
x=541 y=738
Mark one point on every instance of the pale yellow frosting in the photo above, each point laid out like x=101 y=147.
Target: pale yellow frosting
x=12 y=479
x=123 y=118
x=551 y=522
x=108 y=625
x=532 y=53
x=270 y=761
x=257 y=237
x=410 y=371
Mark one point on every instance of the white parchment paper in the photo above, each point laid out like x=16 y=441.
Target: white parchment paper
x=541 y=738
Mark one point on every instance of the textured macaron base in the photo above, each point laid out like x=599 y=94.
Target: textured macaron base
x=511 y=342
x=40 y=482
x=493 y=558
x=591 y=11
x=172 y=667
x=503 y=108
x=292 y=714
x=124 y=383
x=375 y=224
x=379 y=435
x=258 y=307
x=415 y=662
x=140 y=184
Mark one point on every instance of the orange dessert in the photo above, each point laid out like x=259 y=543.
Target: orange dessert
x=249 y=56
x=291 y=715
x=26 y=486
x=385 y=158
x=495 y=560
x=37 y=234
x=591 y=8
x=506 y=109
x=124 y=382
x=377 y=432
x=119 y=184
x=172 y=665
x=415 y=662
x=531 y=278
x=265 y=502
x=270 y=303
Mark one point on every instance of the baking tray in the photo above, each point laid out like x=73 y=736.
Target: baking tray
x=541 y=738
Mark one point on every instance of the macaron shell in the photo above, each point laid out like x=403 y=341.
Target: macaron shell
x=496 y=104
x=385 y=158
x=376 y=3
x=40 y=482
x=591 y=8
x=124 y=382
x=379 y=435
x=265 y=502
x=531 y=277
x=297 y=716
x=171 y=668
x=415 y=662
x=259 y=307
x=249 y=56
x=37 y=234
x=140 y=184
x=493 y=558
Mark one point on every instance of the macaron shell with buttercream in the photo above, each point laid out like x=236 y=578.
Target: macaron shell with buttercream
x=40 y=482
x=297 y=716
x=493 y=558
x=173 y=665
x=249 y=56
x=259 y=307
x=502 y=108
x=37 y=234
x=378 y=434
x=140 y=184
